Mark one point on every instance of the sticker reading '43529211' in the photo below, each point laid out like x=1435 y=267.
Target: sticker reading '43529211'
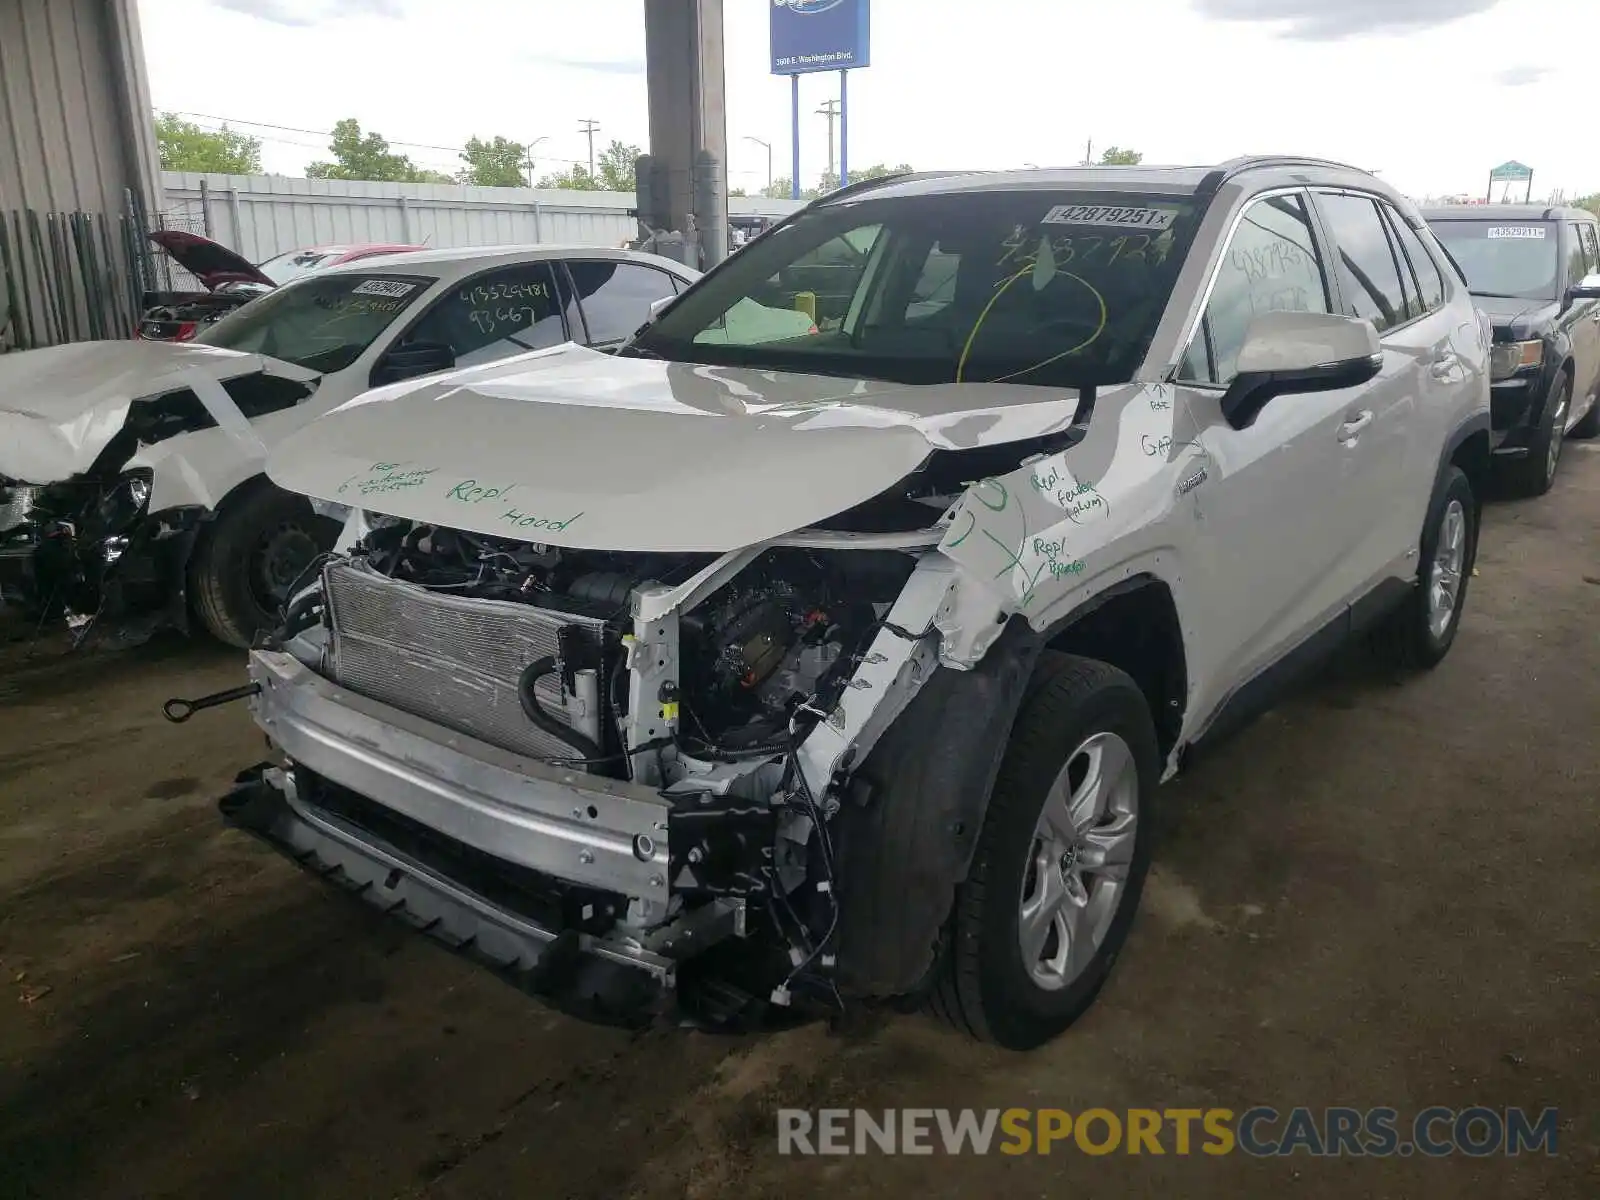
x=1109 y=215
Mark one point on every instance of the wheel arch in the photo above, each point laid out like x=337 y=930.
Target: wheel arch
x=908 y=827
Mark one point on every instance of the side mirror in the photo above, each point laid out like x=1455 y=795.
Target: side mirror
x=413 y=359
x=1292 y=352
x=1586 y=289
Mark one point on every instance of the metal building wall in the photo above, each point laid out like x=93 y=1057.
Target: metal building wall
x=79 y=169
x=75 y=126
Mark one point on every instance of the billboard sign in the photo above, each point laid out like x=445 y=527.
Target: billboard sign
x=819 y=35
x=1512 y=170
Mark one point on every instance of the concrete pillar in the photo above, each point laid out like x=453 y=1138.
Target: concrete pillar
x=688 y=118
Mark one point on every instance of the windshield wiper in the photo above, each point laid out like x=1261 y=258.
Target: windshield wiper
x=1503 y=296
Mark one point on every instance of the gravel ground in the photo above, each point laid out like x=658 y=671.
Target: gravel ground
x=1384 y=893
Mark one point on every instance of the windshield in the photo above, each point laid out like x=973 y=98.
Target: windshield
x=1515 y=260
x=1036 y=287
x=296 y=263
x=322 y=322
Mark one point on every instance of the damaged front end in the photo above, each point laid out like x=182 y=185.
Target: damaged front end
x=87 y=549
x=610 y=775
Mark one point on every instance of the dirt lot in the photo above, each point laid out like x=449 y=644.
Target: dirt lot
x=1382 y=894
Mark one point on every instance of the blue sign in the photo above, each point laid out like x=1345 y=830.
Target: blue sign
x=819 y=35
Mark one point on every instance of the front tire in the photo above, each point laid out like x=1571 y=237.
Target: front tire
x=255 y=550
x=1061 y=861
x=1533 y=475
x=1419 y=633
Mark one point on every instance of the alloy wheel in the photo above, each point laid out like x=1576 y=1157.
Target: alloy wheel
x=1079 y=861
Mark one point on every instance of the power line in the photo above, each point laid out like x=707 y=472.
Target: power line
x=328 y=133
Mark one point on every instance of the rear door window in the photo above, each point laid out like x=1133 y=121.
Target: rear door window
x=491 y=316
x=1369 y=277
x=1429 y=282
x=615 y=297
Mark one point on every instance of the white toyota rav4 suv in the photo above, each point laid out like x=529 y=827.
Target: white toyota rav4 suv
x=846 y=663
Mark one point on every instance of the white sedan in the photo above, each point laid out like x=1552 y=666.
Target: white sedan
x=141 y=461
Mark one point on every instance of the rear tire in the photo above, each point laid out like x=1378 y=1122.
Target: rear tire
x=1013 y=972
x=252 y=553
x=1419 y=633
x=1533 y=475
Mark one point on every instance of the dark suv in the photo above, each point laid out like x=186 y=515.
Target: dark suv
x=1535 y=271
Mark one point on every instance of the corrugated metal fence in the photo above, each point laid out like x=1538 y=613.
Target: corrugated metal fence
x=264 y=215
x=64 y=277
x=68 y=276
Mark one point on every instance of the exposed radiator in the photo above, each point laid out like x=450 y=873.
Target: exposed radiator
x=453 y=660
x=16 y=502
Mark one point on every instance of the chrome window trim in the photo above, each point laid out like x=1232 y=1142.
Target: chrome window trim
x=1169 y=373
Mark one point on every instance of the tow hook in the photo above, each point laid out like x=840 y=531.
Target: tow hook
x=178 y=711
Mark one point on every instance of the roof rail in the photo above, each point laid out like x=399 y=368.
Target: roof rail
x=1252 y=161
x=864 y=185
x=1248 y=162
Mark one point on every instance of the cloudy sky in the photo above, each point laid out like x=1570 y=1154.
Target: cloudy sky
x=1432 y=93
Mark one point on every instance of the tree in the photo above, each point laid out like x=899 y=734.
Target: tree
x=878 y=171
x=358 y=157
x=616 y=164
x=779 y=188
x=1592 y=203
x=576 y=179
x=187 y=147
x=1115 y=156
x=496 y=163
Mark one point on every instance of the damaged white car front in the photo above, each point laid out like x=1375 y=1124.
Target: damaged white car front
x=103 y=483
x=685 y=673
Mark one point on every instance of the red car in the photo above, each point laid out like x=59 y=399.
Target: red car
x=231 y=280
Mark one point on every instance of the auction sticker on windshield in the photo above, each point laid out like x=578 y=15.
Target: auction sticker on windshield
x=1517 y=231
x=383 y=287
x=1106 y=215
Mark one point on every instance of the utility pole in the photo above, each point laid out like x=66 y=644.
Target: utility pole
x=830 y=109
x=589 y=125
x=768 y=146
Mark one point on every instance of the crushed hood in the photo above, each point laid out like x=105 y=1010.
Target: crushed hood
x=572 y=447
x=212 y=263
x=60 y=406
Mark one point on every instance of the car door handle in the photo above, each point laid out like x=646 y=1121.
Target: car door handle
x=1444 y=364
x=1353 y=427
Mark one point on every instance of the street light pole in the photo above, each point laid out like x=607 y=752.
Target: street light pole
x=527 y=153
x=768 y=146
